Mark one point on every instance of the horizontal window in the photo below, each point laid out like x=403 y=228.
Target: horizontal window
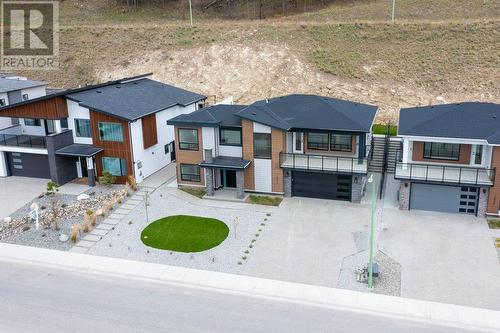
x=262 y=145
x=317 y=141
x=341 y=142
x=230 y=136
x=442 y=151
x=190 y=172
x=31 y=122
x=188 y=139
x=2 y=102
x=115 y=166
x=82 y=128
x=110 y=132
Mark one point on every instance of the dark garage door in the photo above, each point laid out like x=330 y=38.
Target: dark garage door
x=28 y=165
x=321 y=185
x=440 y=198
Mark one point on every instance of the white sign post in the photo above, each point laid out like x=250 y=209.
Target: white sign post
x=34 y=215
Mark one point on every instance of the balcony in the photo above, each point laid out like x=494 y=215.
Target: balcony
x=324 y=163
x=13 y=137
x=445 y=174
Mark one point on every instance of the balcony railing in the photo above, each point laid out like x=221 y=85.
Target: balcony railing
x=323 y=163
x=30 y=141
x=445 y=173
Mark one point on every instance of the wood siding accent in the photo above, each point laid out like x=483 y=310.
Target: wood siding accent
x=149 y=132
x=330 y=152
x=111 y=148
x=189 y=157
x=278 y=139
x=418 y=154
x=494 y=196
x=51 y=108
x=247 y=149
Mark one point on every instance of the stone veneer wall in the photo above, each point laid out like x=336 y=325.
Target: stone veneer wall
x=482 y=205
x=287 y=184
x=404 y=195
x=358 y=186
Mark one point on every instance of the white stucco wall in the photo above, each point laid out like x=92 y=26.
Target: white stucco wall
x=5 y=121
x=76 y=111
x=154 y=158
x=34 y=92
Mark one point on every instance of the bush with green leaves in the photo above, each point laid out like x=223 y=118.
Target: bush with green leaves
x=107 y=178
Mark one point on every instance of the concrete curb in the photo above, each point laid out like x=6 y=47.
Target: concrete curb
x=380 y=305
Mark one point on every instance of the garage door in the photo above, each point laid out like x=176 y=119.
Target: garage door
x=440 y=198
x=322 y=186
x=28 y=165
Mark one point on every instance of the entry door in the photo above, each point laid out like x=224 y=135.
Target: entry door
x=298 y=142
x=83 y=165
x=172 y=151
x=228 y=178
x=477 y=154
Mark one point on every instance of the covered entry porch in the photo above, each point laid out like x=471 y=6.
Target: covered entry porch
x=85 y=155
x=224 y=173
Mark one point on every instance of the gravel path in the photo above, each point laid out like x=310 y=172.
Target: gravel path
x=124 y=240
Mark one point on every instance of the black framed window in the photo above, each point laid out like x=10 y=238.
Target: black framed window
x=25 y=97
x=2 y=102
x=114 y=165
x=442 y=151
x=64 y=123
x=262 y=145
x=110 y=132
x=317 y=141
x=190 y=172
x=82 y=128
x=341 y=142
x=31 y=122
x=230 y=136
x=188 y=139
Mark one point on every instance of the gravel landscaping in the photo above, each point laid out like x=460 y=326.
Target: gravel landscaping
x=244 y=224
x=22 y=230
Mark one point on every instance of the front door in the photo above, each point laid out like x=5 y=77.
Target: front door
x=298 y=142
x=83 y=165
x=172 y=151
x=477 y=154
x=228 y=178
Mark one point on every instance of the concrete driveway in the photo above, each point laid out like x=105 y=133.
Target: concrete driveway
x=15 y=192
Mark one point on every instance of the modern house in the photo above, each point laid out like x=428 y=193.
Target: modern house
x=15 y=89
x=118 y=126
x=449 y=158
x=295 y=145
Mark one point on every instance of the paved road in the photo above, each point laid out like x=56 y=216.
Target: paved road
x=37 y=299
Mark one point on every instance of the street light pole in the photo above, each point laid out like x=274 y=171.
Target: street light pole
x=191 y=12
x=393 y=10
x=372 y=232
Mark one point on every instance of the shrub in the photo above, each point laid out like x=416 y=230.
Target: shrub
x=86 y=224
x=132 y=182
x=74 y=232
x=52 y=188
x=107 y=179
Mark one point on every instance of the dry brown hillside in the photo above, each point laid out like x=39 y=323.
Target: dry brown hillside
x=450 y=58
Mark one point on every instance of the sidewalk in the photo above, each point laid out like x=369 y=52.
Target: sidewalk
x=380 y=305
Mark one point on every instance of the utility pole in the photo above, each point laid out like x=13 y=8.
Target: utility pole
x=191 y=12
x=372 y=231
x=393 y=10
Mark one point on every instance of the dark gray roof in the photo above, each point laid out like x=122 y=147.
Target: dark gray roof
x=7 y=85
x=469 y=120
x=79 y=150
x=217 y=115
x=226 y=162
x=135 y=99
x=311 y=112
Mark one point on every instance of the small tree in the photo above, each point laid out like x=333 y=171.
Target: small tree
x=107 y=178
x=55 y=208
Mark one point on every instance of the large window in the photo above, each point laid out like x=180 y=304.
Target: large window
x=110 y=132
x=82 y=128
x=114 y=165
x=317 y=141
x=442 y=151
x=230 y=136
x=188 y=139
x=341 y=142
x=190 y=172
x=31 y=122
x=262 y=145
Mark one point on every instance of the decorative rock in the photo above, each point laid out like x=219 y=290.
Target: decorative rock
x=7 y=219
x=83 y=196
x=99 y=212
x=63 y=238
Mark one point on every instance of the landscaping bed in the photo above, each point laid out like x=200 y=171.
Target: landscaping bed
x=264 y=200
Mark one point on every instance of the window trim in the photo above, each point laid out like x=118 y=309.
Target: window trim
x=121 y=165
x=110 y=123
x=190 y=145
x=37 y=122
x=441 y=158
x=190 y=179
x=77 y=134
x=316 y=148
x=239 y=129
x=255 y=155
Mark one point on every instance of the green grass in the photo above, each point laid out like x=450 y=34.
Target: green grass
x=183 y=233
x=265 y=200
x=494 y=224
x=194 y=191
x=381 y=129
